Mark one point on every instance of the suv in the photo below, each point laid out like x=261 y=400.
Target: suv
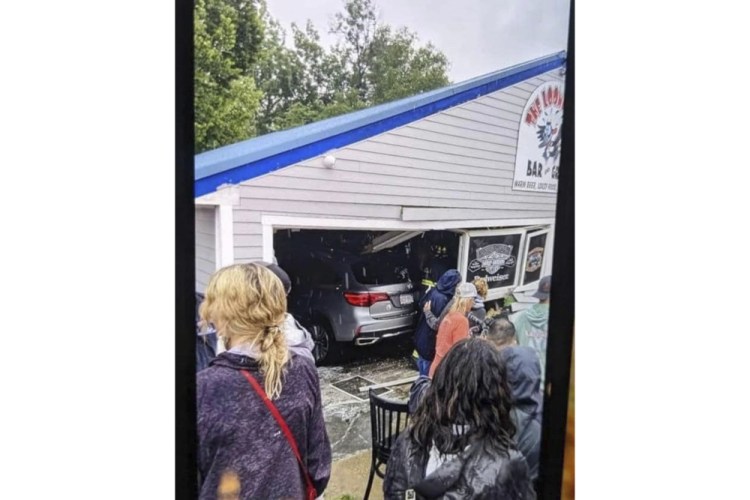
x=352 y=299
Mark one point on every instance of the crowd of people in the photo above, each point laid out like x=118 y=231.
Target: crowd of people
x=475 y=408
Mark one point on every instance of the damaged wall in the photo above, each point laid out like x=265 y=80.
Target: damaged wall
x=457 y=164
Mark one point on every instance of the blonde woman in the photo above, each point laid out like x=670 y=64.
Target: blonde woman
x=478 y=312
x=260 y=417
x=454 y=326
x=482 y=287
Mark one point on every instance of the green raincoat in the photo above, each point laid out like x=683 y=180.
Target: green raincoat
x=531 y=330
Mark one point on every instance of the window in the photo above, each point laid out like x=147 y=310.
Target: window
x=495 y=258
x=380 y=270
x=535 y=253
x=322 y=273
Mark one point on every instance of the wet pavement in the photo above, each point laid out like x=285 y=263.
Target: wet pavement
x=347 y=414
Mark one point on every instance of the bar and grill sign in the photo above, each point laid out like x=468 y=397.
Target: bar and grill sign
x=538 y=149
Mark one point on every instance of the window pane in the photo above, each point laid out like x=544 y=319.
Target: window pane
x=494 y=258
x=534 y=258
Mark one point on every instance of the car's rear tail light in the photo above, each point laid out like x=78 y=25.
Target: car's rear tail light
x=378 y=297
x=365 y=299
x=358 y=299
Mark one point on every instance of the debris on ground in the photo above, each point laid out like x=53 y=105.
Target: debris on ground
x=345 y=409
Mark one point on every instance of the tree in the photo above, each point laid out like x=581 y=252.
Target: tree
x=356 y=26
x=313 y=61
x=249 y=81
x=301 y=84
x=279 y=73
x=227 y=41
x=370 y=64
x=301 y=114
x=384 y=63
x=398 y=68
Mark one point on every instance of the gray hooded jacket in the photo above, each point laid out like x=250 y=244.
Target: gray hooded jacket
x=524 y=379
x=298 y=339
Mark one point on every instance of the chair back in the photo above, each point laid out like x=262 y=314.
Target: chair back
x=388 y=418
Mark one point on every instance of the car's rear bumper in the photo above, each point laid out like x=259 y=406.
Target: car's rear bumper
x=371 y=333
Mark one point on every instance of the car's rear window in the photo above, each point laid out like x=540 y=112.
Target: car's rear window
x=379 y=272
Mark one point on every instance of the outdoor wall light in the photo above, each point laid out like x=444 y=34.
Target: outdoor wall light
x=329 y=161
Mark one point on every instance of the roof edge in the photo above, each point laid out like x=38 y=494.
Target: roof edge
x=241 y=161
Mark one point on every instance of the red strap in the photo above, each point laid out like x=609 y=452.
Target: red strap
x=311 y=492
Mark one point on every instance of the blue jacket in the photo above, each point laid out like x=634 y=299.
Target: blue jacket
x=424 y=336
x=524 y=377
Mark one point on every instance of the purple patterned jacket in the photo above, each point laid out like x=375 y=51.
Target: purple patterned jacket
x=237 y=434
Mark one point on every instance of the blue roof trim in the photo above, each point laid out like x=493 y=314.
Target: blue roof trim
x=248 y=159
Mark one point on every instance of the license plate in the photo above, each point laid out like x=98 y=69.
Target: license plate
x=407 y=299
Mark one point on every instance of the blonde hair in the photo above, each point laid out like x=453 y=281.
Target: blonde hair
x=481 y=285
x=247 y=305
x=462 y=305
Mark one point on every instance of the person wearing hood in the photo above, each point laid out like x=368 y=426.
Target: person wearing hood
x=260 y=414
x=435 y=300
x=454 y=447
x=524 y=377
x=298 y=339
x=531 y=324
x=478 y=312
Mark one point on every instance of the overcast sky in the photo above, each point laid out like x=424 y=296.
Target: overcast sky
x=478 y=36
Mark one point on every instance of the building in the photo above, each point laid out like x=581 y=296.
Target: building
x=478 y=159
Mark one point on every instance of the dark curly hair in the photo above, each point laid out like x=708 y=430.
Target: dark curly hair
x=469 y=389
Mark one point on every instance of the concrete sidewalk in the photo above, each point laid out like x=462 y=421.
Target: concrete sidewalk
x=347 y=414
x=349 y=479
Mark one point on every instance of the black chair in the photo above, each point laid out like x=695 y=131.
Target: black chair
x=388 y=418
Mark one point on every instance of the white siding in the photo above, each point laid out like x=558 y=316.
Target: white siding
x=205 y=246
x=454 y=165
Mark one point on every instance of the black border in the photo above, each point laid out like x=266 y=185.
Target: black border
x=562 y=303
x=186 y=441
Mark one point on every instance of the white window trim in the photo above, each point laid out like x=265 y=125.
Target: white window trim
x=224 y=200
x=494 y=293
x=547 y=267
x=224 y=236
x=534 y=284
x=292 y=222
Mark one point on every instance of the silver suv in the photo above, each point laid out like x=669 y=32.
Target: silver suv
x=349 y=299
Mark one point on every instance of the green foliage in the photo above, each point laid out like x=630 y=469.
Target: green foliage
x=227 y=41
x=380 y=63
x=279 y=73
x=249 y=34
x=356 y=27
x=399 y=68
x=249 y=79
x=225 y=116
x=370 y=64
x=313 y=62
x=301 y=114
